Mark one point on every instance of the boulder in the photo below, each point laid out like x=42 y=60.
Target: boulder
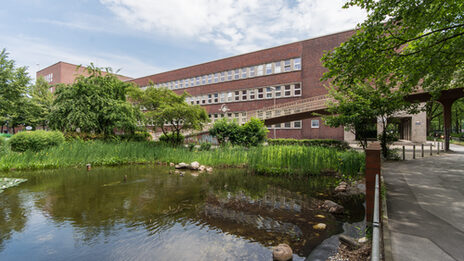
x=362 y=240
x=340 y=188
x=282 y=252
x=182 y=165
x=350 y=242
x=320 y=226
x=332 y=207
x=202 y=168
x=194 y=165
x=171 y=164
x=209 y=169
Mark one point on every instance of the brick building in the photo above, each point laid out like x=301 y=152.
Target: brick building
x=62 y=72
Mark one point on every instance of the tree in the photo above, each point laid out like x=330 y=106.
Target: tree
x=42 y=101
x=254 y=132
x=400 y=47
x=94 y=104
x=13 y=88
x=168 y=111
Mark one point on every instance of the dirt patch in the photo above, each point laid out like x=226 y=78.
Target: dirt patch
x=345 y=254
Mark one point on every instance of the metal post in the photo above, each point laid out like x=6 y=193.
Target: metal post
x=413 y=151
x=375 y=255
x=430 y=149
x=422 y=150
x=404 y=153
x=438 y=147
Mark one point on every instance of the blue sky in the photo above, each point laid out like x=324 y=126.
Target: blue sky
x=143 y=37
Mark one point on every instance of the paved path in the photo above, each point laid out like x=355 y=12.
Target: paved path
x=425 y=201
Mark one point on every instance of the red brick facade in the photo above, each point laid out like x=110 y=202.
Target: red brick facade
x=311 y=71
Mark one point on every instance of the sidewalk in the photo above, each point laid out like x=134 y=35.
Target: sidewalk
x=425 y=201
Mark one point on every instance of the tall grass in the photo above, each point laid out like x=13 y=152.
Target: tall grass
x=266 y=160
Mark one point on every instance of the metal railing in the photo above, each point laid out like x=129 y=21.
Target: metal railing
x=375 y=255
x=439 y=146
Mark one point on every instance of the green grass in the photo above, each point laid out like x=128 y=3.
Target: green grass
x=264 y=160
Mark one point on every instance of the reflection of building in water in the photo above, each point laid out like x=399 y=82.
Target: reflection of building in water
x=279 y=216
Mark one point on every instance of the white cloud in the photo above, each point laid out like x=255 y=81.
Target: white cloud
x=237 y=26
x=37 y=54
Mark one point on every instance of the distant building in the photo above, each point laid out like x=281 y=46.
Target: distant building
x=62 y=72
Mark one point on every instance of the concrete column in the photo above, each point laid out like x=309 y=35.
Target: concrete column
x=419 y=127
x=373 y=167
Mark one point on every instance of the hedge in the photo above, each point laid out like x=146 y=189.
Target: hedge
x=35 y=140
x=327 y=143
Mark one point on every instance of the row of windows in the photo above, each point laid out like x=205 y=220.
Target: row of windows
x=236 y=74
x=287 y=125
x=270 y=92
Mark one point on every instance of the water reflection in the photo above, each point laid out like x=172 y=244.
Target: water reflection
x=98 y=215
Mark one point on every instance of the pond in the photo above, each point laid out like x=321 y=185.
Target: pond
x=146 y=213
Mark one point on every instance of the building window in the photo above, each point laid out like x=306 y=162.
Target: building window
x=181 y=84
x=187 y=83
x=229 y=75
x=260 y=93
x=260 y=70
x=210 y=78
x=192 y=82
x=297 y=124
x=216 y=98
x=237 y=74
x=252 y=71
x=269 y=68
x=236 y=115
x=287 y=125
x=203 y=99
x=223 y=76
x=268 y=114
x=198 y=80
x=203 y=80
x=209 y=98
x=252 y=94
x=268 y=92
x=277 y=126
x=229 y=97
x=216 y=77
x=287 y=91
x=244 y=95
x=297 y=89
x=287 y=65
x=314 y=124
x=277 y=68
x=237 y=95
x=244 y=73
x=278 y=92
x=297 y=64
x=176 y=85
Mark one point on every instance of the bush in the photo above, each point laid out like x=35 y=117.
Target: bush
x=136 y=136
x=227 y=131
x=254 y=132
x=205 y=146
x=327 y=143
x=35 y=140
x=3 y=145
x=70 y=136
x=172 y=139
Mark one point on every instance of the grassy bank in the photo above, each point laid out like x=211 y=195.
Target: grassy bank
x=265 y=160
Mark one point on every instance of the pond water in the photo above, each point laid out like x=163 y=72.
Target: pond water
x=72 y=214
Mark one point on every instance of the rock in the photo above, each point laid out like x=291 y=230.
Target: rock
x=320 y=216
x=171 y=164
x=209 y=169
x=182 y=165
x=320 y=226
x=282 y=252
x=194 y=165
x=333 y=207
x=202 y=168
x=350 y=242
x=340 y=188
x=362 y=240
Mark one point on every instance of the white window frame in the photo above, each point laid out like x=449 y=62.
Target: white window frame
x=277 y=67
x=297 y=64
x=314 y=124
x=268 y=69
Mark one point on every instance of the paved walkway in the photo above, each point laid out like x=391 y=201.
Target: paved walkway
x=425 y=202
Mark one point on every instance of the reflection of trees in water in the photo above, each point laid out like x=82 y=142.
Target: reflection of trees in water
x=13 y=216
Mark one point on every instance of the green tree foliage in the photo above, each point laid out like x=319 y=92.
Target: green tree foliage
x=94 y=104
x=41 y=101
x=14 y=103
x=227 y=131
x=168 y=111
x=254 y=132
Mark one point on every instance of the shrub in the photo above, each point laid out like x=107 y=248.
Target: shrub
x=254 y=132
x=204 y=146
x=227 y=131
x=35 y=140
x=70 y=136
x=172 y=139
x=327 y=143
x=136 y=136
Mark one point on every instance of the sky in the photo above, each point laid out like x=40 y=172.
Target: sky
x=144 y=37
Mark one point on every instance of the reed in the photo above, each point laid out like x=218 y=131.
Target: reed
x=273 y=160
